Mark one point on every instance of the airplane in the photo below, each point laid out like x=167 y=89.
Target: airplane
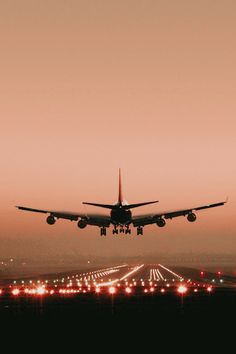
x=121 y=217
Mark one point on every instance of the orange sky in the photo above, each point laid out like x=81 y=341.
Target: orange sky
x=90 y=86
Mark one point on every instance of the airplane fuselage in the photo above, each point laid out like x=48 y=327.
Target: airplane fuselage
x=120 y=216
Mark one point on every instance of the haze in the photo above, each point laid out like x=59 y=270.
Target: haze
x=90 y=86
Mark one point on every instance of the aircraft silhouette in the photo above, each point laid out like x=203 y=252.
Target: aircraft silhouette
x=120 y=215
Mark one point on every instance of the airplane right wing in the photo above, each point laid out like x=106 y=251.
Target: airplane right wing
x=159 y=218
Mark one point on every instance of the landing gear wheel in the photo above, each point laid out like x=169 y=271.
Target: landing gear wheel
x=128 y=231
x=122 y=230
x=103 y=231
x=139 y=230
x=115 y=231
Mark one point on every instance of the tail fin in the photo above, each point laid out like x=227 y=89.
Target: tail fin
x=120 y=195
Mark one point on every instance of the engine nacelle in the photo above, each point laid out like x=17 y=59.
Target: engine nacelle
x=51 y=220
x=161 y=222
x=191 y=217
x=82 y=223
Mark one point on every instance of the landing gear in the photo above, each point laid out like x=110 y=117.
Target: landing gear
x=127 y=230
x=122 y=230
x=139 y=230
x=115 y=231
x=103 y=231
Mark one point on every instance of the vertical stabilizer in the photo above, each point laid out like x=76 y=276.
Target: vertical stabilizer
x=120 y=196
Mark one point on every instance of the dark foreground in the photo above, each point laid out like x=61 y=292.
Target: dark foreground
x=217 y=305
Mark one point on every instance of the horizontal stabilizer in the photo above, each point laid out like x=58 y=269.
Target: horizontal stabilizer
x=131 y=206
x=107 y=206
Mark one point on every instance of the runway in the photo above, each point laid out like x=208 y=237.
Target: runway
x=120 y=279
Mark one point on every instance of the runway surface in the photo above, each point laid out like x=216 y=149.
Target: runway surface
x=137 y=289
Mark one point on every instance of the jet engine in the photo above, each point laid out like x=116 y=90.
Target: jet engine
x=51 y=220
x=191 y=217
x=161 y=222
x=82 y=223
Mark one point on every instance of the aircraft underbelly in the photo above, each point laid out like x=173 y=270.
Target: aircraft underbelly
x=121 y=217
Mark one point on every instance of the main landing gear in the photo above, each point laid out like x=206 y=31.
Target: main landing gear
x=126 y=231
x=139 y=230
x=103 y=231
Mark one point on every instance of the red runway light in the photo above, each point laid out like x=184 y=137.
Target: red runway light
x=209 y=289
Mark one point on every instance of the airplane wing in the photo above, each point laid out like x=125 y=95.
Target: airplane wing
x=90 y=219
x=143 y=220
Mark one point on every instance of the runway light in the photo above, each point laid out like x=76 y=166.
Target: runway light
x=15 y=292
x=0 y=291
x=146 y=291
x=209 y=289
x=152 y=289
x=98 y=290
x=128 y=290
x=162 y=290
x=195 y=290
x=112 y=290
x=182 y=289
x=51 y=292
x=41 y=290
x=201 y=273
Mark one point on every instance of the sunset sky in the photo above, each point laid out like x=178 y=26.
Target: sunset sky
x=90 y=86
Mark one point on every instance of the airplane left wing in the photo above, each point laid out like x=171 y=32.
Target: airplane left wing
x=143 y=220
x=88 y=219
